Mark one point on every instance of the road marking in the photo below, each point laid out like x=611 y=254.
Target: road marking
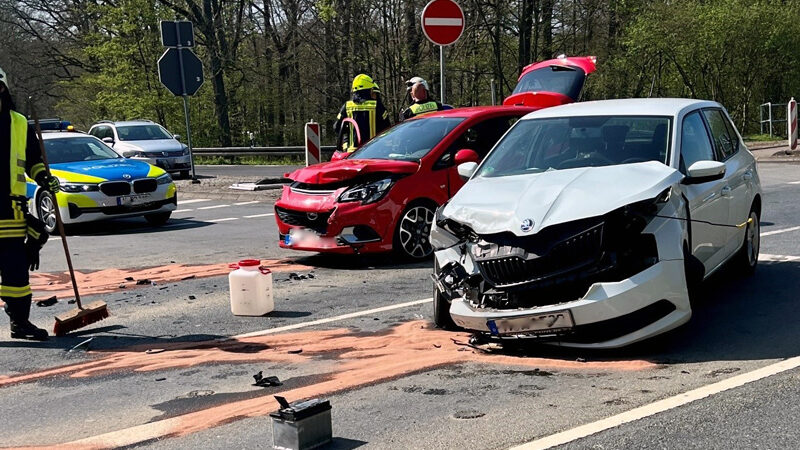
x=227 y=219
x=182 y=210
x=195 y=200
x=777 y=258
x=794 y=182
x=332 y=319
x=246 y=203
x=660 y=406
x=259 y=215
x=785 y=230
x=214 y=207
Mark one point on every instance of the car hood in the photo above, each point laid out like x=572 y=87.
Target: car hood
x=159 y=145
x=347 y=169
x=105 y=170
x=495 y=205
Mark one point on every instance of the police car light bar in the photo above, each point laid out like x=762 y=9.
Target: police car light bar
x=53 y=125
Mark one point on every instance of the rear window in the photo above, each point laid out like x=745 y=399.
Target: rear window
x=563 y=80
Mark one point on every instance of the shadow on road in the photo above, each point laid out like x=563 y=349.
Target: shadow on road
x=361 y=262
x=132 y=226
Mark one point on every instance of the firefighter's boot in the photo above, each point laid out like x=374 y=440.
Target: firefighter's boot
x=18 y=311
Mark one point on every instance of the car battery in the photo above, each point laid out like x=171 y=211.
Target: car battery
x=301 y=425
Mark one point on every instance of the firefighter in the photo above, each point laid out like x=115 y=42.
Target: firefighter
x=422 y=102
x=366 y=109
x=21 y=235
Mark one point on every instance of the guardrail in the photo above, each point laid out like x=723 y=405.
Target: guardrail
x=259 y=151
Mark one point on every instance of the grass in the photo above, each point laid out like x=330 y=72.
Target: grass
x=763 y=138
x=249 y=160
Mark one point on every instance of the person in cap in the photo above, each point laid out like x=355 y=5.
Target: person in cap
x=21 y=235
x=422 y=102
x=366 y=109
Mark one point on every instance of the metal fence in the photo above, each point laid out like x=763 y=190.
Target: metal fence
x=260 y=151
x=771 y=114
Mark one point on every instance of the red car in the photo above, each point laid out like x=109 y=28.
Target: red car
x=382 y=197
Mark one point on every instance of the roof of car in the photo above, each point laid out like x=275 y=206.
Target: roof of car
x=65 y=135
x=471 y=111
x=128 y=123
x=628 y=106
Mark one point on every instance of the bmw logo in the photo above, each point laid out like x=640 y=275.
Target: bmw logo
x=126 y=176
x=527 y=225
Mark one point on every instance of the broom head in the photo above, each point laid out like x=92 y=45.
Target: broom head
x=79 y=318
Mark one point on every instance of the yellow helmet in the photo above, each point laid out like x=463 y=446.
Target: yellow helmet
x=361 y=82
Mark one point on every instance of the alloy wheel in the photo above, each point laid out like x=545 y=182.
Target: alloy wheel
x=415 y=229
x=753 y=238
x=47 y=212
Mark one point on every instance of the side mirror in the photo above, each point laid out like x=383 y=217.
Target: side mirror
x=108 y=140
x=177 y=137
x=466 y=155
x=704 y=171
x=467 y=169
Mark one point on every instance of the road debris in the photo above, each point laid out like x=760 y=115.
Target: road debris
x=301 y=425
x=296 y=351
x=262 y=381
x=122 y=286
x=83 y=345
x=468 y=414
x=161 y=379
x=47 y=302
x=192 y=297
x=153 y=351
x=129 y=279
x=190 y=277
x=143 y=281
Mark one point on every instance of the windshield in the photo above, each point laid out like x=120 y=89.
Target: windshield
x=77 y=149
x=563 y=80
x=409 y=141
x=538 y=145
x=142 y=133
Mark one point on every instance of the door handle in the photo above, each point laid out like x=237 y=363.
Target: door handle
x=726 y=191
x=748 y=175
x=709 y=197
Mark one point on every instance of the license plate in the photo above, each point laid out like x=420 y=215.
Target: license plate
x=547 y=323
x=137 y=199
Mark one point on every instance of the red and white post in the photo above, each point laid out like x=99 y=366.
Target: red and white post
x=791 y=116
x=313 y=155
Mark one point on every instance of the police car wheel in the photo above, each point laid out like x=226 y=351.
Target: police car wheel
x=45 y=207
x=184 y=174
x=158 y=219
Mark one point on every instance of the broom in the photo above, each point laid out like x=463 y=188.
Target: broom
x=82 y=315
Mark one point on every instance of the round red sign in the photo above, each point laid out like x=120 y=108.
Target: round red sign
x=442 y=22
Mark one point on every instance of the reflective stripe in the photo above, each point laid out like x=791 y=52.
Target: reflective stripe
x=33 y=233
x=19 y=141
x=6 y=234
x=15 y=292
x=12 y=223
x=422 y=108
x=36 y=170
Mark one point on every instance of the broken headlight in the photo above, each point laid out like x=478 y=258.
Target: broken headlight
x=367 y=193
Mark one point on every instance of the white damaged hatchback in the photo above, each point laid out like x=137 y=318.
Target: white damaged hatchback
x=587 y=223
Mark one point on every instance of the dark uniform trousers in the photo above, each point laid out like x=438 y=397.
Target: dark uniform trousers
x=15 y=289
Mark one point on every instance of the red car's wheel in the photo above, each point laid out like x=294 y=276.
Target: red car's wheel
x=412 y=237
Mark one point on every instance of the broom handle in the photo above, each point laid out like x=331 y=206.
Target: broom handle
x=59 y=223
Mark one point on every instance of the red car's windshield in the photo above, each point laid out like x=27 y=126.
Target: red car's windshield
x=409 y=141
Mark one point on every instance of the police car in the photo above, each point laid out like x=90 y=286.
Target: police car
x=96 y=183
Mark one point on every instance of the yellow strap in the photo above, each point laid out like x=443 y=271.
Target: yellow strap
x=15 y=292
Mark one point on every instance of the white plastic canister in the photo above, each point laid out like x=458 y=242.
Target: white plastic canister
x=251 y=288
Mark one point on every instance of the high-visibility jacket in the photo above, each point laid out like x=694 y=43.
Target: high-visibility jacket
x=420 y=108
x=22 y=156
x=371 y=117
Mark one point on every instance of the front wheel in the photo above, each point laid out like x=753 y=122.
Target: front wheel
x=412 y=237
x=158 y=219
x=46 y=207
x=747 y=257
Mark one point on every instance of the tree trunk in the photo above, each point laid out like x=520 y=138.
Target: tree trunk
x=525 y=29
x=547 y=29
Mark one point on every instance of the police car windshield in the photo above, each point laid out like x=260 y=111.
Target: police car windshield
x=75 y=149
x=409 y=141
x=142 y=133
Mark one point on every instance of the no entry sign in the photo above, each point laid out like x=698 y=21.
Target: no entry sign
x=443 y=22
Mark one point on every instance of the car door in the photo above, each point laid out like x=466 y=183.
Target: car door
x=479 y=137
x=706 y=201
x=738 y=173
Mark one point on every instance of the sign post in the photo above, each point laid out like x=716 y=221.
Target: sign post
x=313 y=155
x=180 y=70
x=791 y=116
x=443 y=24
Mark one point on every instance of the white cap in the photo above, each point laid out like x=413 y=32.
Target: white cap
x=3 y=77
x=416 y=80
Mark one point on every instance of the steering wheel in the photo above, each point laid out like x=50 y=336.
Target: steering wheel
x=594 y=159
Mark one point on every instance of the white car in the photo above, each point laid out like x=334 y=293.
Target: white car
x=587 y=223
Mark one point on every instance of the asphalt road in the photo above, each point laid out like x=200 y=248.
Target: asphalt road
x=394 y=382
x=245 y=171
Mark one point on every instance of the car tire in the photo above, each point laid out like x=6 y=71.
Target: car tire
x=158 y=219
x=412 y=233
x=746 y=258
x=45 y=208
x=441 y=307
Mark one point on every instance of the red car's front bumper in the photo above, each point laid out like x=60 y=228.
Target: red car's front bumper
x=318 y=223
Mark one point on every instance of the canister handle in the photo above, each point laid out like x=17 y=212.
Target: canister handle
x=264 y=269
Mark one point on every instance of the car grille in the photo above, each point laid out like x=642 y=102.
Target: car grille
x=115 y=188
x=171 y=154
x=314 y=221
x=145 y=185
x=570 y=254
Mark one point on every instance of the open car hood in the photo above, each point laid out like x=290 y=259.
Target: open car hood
x=495 y=205
x=346 y=169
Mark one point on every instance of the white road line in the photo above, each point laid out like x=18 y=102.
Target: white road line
x=259 y=215
x=214 y=207
x=794 y=182
x=777 y=258
x=785 y=230
x=226 y=219
x=182 y=210
x=661 y=405
x=332 y=319
x=194 y=200
x=246 y=203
